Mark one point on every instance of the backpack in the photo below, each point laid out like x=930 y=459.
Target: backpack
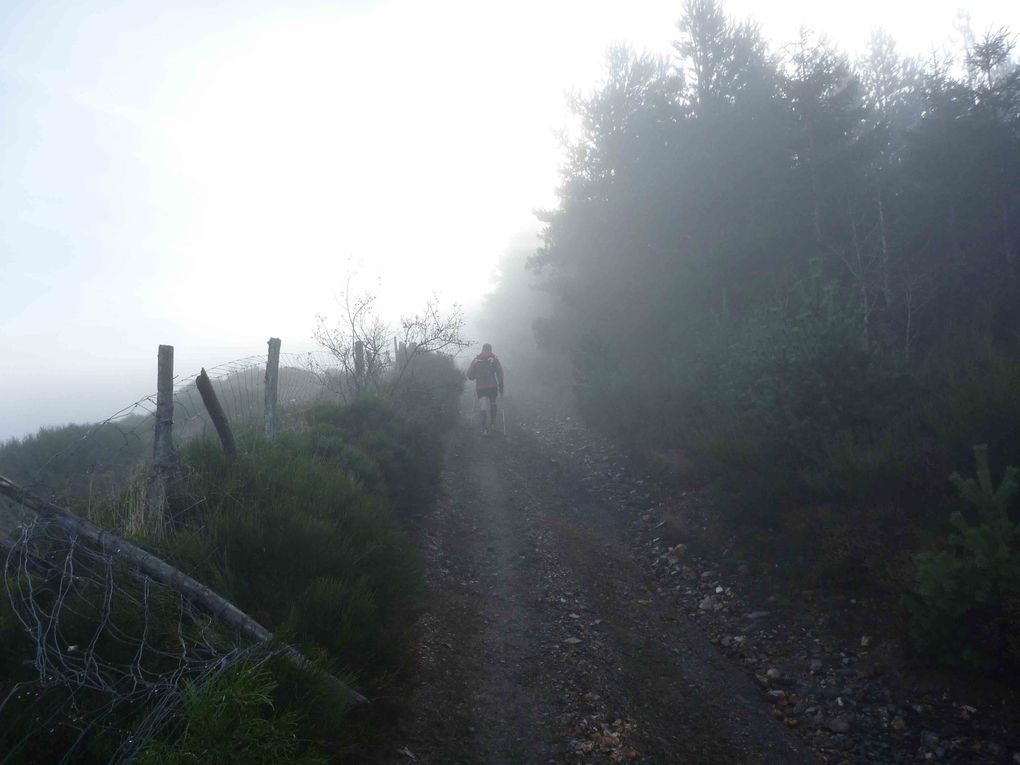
x=485 y=372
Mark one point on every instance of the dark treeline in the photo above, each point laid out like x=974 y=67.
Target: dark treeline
x=794 y=275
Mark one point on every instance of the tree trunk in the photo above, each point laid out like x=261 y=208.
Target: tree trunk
x=164 y=457
x=359 y=365
x=884 y=263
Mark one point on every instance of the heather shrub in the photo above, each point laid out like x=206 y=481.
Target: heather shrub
x=407 y=454
x=293 y=537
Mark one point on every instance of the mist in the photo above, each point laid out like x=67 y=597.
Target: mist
x=212 y=177
x=739 y=481
x=508 y=317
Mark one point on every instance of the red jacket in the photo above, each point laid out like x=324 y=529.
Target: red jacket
x=497 y=368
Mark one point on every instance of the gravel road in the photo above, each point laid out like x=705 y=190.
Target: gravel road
x=543 y=639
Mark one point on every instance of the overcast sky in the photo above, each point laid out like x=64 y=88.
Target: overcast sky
x=206 y=173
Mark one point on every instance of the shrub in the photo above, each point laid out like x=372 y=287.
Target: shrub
x=303 y=534
x=428 y=393
x=973 y=584
x=15 y=645
x=854 y=468
x=232 y=720
x=407 y=454
x=296 y=543
x=795 y=405
x=78 y=464
x=977 y=401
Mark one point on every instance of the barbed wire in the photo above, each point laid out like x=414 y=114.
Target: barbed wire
x=240 y=387
x=111 y=649
x=95 y=462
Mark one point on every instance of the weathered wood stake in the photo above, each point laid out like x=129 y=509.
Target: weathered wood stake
x=164 y=458
x=272 y=386
x=161 y=571
x=216 y=414
x=359 y=365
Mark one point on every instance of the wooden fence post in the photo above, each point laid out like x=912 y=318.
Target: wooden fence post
x=272 y=386
x=359 y=365
x=164 y=458
x=219 y=419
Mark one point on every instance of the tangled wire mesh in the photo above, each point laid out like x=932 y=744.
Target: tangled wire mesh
x=111 y=649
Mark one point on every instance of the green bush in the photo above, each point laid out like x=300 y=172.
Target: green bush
x=428 y=392
x=303 y=534
x=852 y=468
x=36 y=727
x=797 y=407
x=79 y=464
x=958 y=592
x=293 y=540
x=408 y=454
x=14 y=643
x=232 y=720
x=977 y=401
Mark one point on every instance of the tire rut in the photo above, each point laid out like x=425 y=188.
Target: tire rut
x=544 y=642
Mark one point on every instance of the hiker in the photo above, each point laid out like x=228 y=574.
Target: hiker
x=487 y=373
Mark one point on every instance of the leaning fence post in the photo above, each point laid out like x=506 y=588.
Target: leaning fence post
x=272 y=386
x=164 y=459
x=219 y=419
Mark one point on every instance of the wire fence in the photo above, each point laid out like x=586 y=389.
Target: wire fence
x=112 y=649
x=83 y=465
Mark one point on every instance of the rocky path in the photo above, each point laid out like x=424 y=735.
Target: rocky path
x=828 y=665
x=545 y=639
x=566 y=621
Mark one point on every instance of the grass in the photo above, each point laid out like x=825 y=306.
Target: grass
x=307 y=535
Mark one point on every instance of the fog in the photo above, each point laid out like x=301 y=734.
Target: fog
x=208 y=175
x=740 y=486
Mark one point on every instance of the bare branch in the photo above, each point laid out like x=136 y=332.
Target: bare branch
x=427 y=332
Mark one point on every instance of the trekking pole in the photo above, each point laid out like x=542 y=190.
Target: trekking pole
x=502 y=414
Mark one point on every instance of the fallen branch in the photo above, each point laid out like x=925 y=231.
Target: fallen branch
x=161 y=571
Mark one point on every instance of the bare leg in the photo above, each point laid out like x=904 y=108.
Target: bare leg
x=483 y=413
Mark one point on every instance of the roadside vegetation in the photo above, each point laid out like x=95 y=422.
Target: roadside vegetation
x=308 y=534
x=792 y=278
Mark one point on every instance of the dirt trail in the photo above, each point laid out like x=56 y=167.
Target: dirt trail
x=543 y=641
